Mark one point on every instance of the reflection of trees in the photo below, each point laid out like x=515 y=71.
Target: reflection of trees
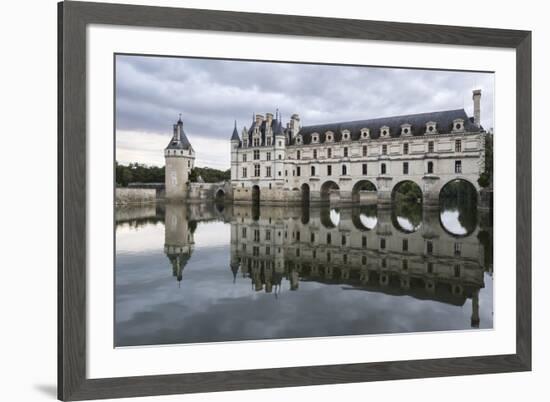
x=412 y=211
x=460 y=196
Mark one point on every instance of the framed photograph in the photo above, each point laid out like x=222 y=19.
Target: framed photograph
x=257 y=201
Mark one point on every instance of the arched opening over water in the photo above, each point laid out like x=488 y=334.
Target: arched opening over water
x=407 y=191
x=458 y=207
x=364 y=217
x=219 y=196
x=305 y=193
x=256 y=194
x=330 y=191
x=360 y=190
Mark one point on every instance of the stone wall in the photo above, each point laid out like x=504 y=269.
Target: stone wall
x=127 y=196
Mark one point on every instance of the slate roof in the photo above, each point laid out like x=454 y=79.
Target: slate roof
x=276 y=127
x=235 y=135
x=183 y=142
x=444 y=120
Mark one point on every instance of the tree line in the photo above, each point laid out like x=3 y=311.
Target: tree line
x=141 y=173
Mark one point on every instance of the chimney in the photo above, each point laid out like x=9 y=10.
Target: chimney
x=269 y=118
x=476 y=96
x=259 y=119
x=295 y=124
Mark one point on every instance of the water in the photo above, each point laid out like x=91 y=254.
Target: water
x=210 y=273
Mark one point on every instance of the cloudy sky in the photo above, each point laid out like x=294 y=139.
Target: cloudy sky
x=151 y=92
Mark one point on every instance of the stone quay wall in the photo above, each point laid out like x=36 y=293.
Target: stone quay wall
x=128 y=196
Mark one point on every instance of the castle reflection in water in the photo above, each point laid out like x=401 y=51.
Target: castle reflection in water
x=440 y=255
x=401 y=251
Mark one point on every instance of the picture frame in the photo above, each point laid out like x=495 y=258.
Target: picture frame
x=73 y=20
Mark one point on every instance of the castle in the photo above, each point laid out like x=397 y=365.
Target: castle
x=347 y=161
x=344 y=162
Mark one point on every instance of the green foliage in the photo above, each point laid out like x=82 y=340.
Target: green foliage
x=138 y=173
x=408 y=191
x=209 y=175
x=484 y=179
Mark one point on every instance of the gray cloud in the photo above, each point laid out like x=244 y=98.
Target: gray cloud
x=211 y=94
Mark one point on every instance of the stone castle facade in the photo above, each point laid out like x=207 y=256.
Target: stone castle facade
x=354 y=160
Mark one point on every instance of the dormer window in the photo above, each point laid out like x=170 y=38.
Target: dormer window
x=315 y=138
x=431 y=127
x=365 y=133
x=406 y=129
x=329 y=136
x=346 y=135
x=384 y=131
x=458 y=125
x=299 y=139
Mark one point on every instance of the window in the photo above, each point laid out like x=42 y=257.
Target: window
x=314 y=154
x=268 y=171
x=430 y=146
x=384 y=149
x=405 y=148
x=267 y=250
x=343 y=240
x=279 y=173
x=268 y=156
x=345 y=152
x=344 y=170
x=280 y=156
x=188 y=163
x=298 y=236
x=244 y=233
x=256 y=154
x=256 y=142
x=364 y=150
x=329 y=238
x=458 y=166
x=384 y=265
x=383 y=168
x=382 y=243
x=430 y=167
x=458 y=145
x=268 y=141
x=256 y=235
x=405 y=265
x=430 y=267
x=329 y=170
x=244 y=172
x=280 y=143
x=458 y=249
x=297 y=154
x=364 y=241
x=329 y=153
x=457 y=271
x=429 y=247
x=257 y=170
x=244 y=157
x=313 y=170
x=286 y=172
x=364 y=259
x=312 y=237
x=405 y=167
x=405 y=245
x=364 y=168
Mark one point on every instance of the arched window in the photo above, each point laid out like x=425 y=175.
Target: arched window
x=344 y=170
x=430 y=167
x=383 y=168
x=313 y=170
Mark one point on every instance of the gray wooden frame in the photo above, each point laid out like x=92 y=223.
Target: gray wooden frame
x=73 y=17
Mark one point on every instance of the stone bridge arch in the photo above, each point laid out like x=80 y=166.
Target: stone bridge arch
x=416 y=182
x=358 y=190
x=327 y=188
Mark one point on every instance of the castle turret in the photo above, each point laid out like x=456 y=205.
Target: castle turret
x=178 y=238
x=179 y=159
x=235 y=143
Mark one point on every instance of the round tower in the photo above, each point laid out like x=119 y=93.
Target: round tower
x=179 y=158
